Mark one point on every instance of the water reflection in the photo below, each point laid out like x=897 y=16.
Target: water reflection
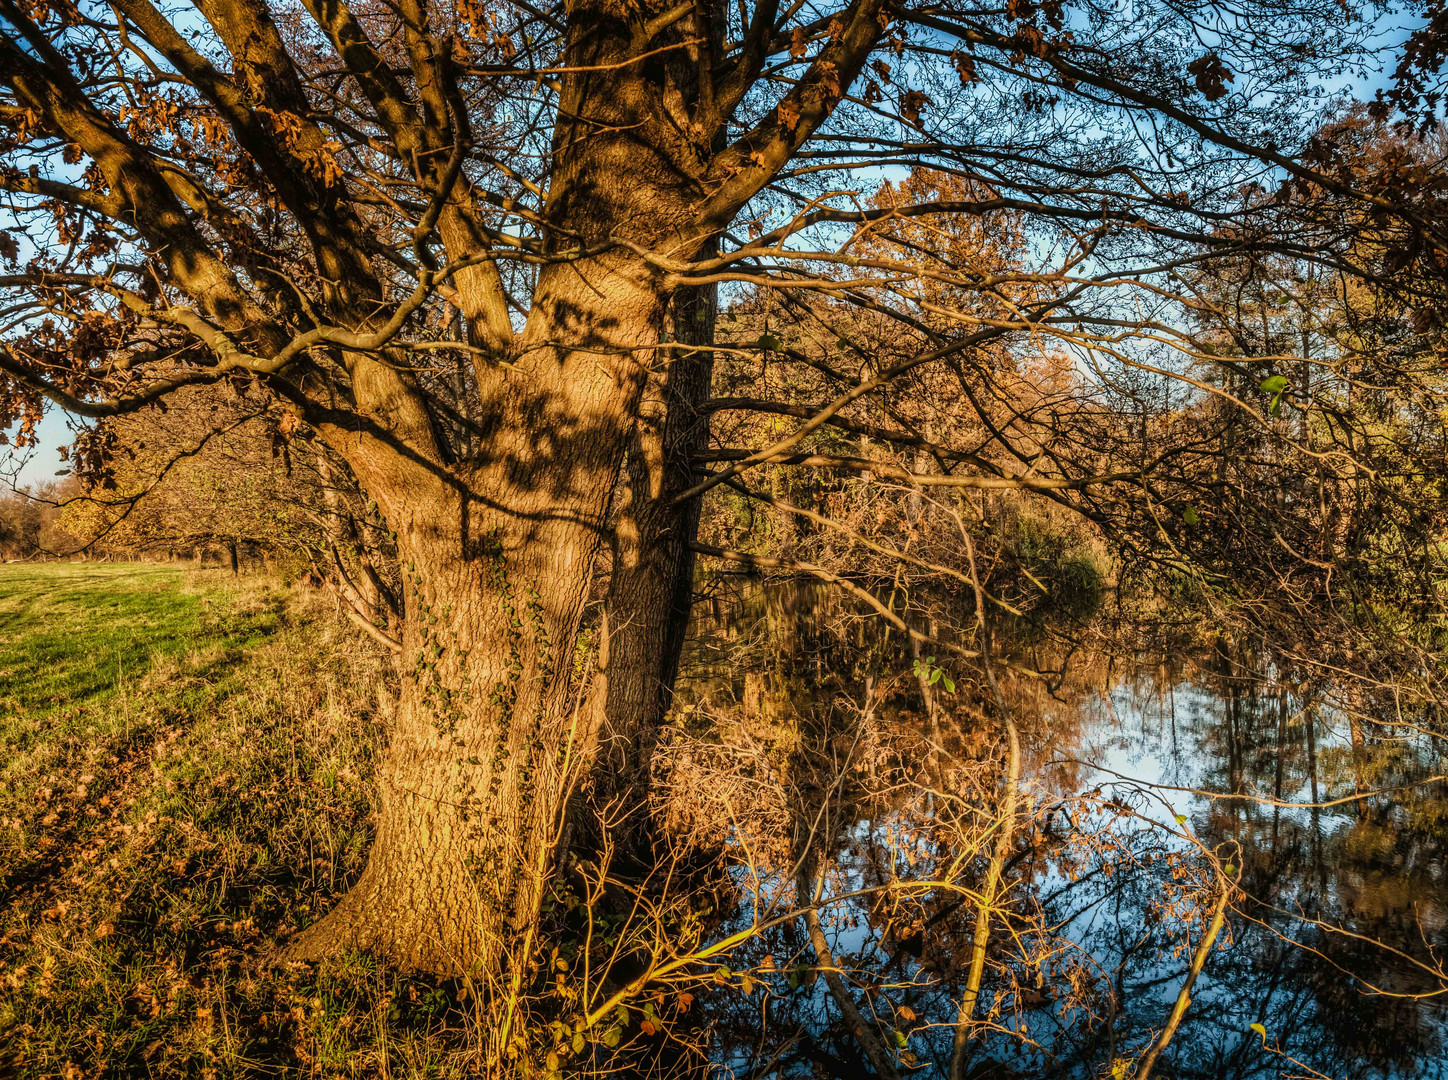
x=1334 y=950
x=860 y=789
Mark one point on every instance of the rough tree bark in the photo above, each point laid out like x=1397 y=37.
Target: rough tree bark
x=651 y=582
x=498 y=561
x=646 y=611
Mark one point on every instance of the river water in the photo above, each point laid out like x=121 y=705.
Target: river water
x=1145 y=782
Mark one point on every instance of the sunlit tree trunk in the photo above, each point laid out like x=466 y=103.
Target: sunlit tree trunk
x=497 y=565
x=651 y=585
x=497 y=535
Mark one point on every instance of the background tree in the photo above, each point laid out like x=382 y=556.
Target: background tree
x=30 y=522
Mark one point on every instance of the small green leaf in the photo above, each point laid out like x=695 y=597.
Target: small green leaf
x=768 y=341
x=1181 y=819
x=1189 y=515
x=578 y=1043
x=901 y=1038
x=949 y=687
x=1274 y=384
x=1230 y=869
x=935 y=676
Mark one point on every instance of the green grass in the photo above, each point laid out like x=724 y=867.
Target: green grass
x=184 y=781
x=70 y=632
x=73 y=635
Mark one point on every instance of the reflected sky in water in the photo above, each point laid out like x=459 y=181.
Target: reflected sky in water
x=1333 y=949
x=1371 y=867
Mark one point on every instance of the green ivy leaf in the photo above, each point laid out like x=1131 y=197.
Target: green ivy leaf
x=768 y=341
x=1189 y=515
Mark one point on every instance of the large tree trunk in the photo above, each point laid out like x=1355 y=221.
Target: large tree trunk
x=473 y=785
x=498 y=560
x=651 y=585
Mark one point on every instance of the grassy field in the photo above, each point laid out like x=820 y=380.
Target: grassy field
x=184 y=762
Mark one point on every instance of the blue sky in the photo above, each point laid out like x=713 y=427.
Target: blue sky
x=44 y=460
